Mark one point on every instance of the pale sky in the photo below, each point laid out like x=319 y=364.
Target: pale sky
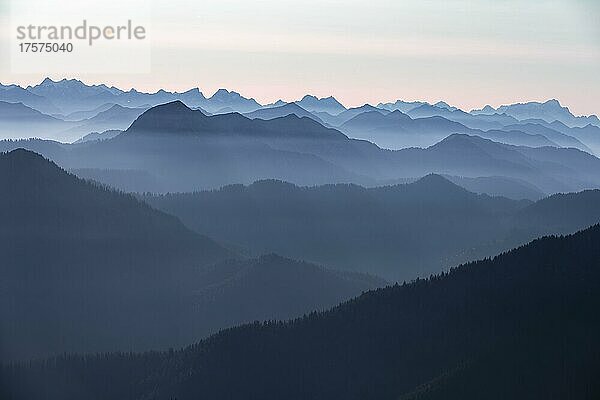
x=467 y=53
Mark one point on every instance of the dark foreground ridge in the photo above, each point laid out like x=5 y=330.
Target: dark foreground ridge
x=492 y=329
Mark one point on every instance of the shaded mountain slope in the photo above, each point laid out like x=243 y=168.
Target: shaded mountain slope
x=548 y=168
x=326 y=104
x=19 y=121
x=559 y=138
x=398 y=232
x=115 y=118
x=338 y=120
x=489 y=329
x=563 y=212
x=484 y=122
x=72 y=251
x=187 y=150
x=396 y=130
x=549 y=111
x=16 y=94
x=89 y=269
x=589 y=134
x=282 y=111
x=176 y=117
x=499 y=186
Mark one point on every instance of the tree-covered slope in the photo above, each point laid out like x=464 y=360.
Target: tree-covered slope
x=85 y=269
x=524 y=324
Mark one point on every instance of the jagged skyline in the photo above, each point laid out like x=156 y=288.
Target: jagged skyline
x=463 y=52
x=485 y=107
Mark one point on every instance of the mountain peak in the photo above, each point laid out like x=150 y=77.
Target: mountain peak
x=326 y=104
x=397 y=114
x=223 y=94
x=443 y=104
x=47 y=81
x=194 y=91
x=435 y=181
x=173 y=106
x=173 y=117
x=553 y=102
x=27 y=163
x=457 y=140
x=22 y=154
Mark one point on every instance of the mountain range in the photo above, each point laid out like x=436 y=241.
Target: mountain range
x=396 y=130
x=186 y=150
x=491 y=329
x=327 y=104
x=548 y=111
x=301 y=249
x=399 y=232
x=73 y=101
x=87 y=269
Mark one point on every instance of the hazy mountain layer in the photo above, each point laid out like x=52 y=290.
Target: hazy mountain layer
x=491 y=329
x=88 y=269
x=186 y=150
x=399 y=232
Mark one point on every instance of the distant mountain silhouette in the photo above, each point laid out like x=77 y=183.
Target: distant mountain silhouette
x=400 y=105
x=16 y=94
x=328 y=104
x=224 y=98
x=475 y=120
x=210 y=151
x=73 y=95
x=548 y=111
x=589 y=134
x=87 y=114
x=398 y=232
x=187 y=150
x=550 y=169
x=492 y=329
x=338 y=120
x=278 y=103
x=443 y=104
x=115 y=118
x=562 y=212
x=397 y=130
x=96 y=136
x=18 y=112
x=282 y=111
x=511 y=188
x=555 y=136
x=177 y=118
x=517 y=137
x=91 y=269
x=19 y=121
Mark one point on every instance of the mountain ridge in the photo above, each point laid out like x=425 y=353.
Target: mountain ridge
x=494 y=320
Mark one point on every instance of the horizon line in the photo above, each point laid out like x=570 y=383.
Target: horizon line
x=263 y=102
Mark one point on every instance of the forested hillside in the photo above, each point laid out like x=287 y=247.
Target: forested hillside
x=493 y=329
